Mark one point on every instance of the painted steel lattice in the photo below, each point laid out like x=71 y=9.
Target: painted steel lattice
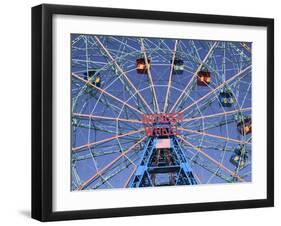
x=117 y=79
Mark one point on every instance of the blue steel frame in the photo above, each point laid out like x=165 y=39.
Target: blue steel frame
x=180 y=166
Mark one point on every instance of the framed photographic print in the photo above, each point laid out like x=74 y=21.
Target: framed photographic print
x=147 y=112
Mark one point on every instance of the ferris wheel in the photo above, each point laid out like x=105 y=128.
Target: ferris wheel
x=117 y=81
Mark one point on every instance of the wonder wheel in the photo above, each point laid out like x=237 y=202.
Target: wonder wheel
x=116 y=81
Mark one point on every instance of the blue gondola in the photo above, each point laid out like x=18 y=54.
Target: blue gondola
x=226 y=98
x=178 y=66
x=238 y=158
x=93 y=77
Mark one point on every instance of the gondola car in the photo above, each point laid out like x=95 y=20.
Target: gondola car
x=226 y=98
x=93 y=77
x=178 y=66
x=238 y=158
x=244 y=126
x=141 y=66
x=203 y=78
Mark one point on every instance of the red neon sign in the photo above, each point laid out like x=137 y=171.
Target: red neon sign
x=162 y=124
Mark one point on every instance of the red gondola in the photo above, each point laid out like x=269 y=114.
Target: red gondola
x=141 y=66
x=203 y=78
x=245 y=126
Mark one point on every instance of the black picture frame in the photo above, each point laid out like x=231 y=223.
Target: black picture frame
x=42 y=111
